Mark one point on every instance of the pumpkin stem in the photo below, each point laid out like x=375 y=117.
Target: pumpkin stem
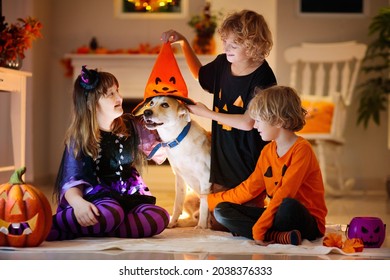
x=16 y=177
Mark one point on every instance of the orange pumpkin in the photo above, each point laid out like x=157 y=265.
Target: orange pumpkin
x=25 y=213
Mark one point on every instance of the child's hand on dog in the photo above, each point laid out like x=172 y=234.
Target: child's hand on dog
x=199 y=109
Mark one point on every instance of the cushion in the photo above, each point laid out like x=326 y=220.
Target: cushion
x=319 y=116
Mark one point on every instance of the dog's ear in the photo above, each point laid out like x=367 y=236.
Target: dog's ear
x=139 y=111
x=184 y=112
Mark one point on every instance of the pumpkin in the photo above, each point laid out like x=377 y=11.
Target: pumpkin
x=25 y=213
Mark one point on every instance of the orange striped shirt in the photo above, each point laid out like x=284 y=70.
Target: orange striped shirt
x=296 y=175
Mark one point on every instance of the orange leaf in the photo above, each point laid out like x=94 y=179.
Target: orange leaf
x=353 y=245
x=333 y=240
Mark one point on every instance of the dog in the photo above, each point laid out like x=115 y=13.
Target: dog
x=188 y=151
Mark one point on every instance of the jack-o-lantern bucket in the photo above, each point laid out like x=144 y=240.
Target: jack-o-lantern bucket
x=370 y=230
x=25 y=213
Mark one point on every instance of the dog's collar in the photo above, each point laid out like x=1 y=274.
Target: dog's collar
x=173 y=143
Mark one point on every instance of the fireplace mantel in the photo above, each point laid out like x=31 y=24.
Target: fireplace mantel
x=133 y=71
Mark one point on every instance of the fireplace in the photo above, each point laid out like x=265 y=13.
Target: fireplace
x=129 y=104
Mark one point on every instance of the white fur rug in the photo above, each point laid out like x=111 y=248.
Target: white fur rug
x=189 y=240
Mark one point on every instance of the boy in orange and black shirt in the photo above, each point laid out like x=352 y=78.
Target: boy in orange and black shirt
x=287 y=170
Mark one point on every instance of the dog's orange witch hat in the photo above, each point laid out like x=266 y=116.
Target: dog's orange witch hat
x=165 y=79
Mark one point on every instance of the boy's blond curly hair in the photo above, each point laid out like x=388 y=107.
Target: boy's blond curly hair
x=250 y=30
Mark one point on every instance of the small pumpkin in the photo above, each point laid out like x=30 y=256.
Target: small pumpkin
x=25 y=213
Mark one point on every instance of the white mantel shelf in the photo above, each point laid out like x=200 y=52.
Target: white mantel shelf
x=133 y=71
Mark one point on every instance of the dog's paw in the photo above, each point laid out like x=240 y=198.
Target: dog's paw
x=187 y=222
x=200 y=227
x=172 y=224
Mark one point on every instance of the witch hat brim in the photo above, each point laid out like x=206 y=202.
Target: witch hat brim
x=165 y=79
x=138 y=110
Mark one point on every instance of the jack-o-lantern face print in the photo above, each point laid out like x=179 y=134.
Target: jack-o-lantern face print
x=166 y=78
x=16 y=224
x=25 y=215
x=164 y=87
x=371 y=236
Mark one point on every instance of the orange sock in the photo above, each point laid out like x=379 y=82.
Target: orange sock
x=286 y=237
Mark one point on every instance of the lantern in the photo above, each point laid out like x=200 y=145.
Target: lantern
x=25 y=213
x=370 y=230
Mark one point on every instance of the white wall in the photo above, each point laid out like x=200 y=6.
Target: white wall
x=13 y=10
x=72 y=23
x=365 y=157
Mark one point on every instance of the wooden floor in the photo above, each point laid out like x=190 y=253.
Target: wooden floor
x=160 y=180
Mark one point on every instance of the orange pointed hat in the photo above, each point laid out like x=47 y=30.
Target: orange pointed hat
x=165 y=79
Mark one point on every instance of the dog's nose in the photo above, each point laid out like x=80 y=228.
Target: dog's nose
x=148 y=112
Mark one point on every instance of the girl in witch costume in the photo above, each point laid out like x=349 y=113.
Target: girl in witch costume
x=99 y=189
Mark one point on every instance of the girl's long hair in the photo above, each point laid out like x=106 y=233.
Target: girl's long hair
x=83 y=134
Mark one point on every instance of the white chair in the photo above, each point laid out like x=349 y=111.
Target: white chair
x=325 y=76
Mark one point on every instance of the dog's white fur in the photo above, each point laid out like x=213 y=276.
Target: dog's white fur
x=190 y=160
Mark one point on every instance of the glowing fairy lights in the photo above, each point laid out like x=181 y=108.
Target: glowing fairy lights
x=152 y=6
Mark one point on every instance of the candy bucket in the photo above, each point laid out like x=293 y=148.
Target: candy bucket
x=370 y=230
